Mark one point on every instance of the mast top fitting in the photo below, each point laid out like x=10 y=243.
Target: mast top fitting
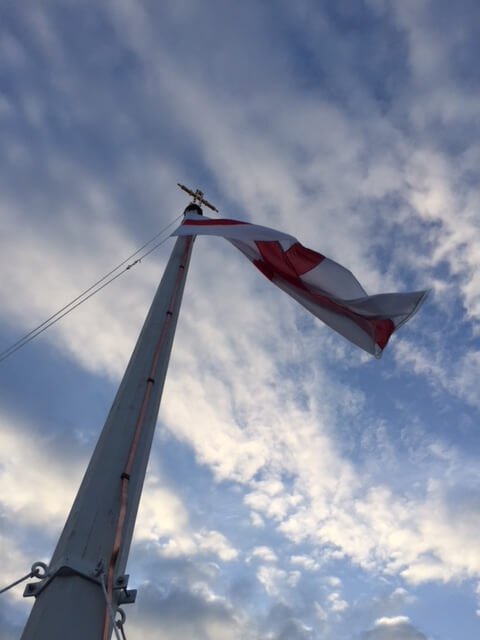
x=197 y=196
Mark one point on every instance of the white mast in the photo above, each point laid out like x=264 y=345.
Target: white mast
x=85 y=582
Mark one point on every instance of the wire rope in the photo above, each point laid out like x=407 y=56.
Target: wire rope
x=116 y=629
x=87 y=293
x=38 y=570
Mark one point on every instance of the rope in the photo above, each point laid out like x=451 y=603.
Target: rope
x=115 y=626
x=38 y=570
x=83 y=297
x=119 y=533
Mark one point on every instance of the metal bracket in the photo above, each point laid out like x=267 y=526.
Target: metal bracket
x=126 y=596
x=84 y=570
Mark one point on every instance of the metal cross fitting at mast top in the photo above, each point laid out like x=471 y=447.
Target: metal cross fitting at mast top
x=197 y=196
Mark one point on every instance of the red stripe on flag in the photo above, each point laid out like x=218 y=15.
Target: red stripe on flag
x=275 y=258
x=219 y=222
x=293 y=262
x=383 y=329
x=302 y=258
x=379 y=329
x=283 y=265
x=265 y=268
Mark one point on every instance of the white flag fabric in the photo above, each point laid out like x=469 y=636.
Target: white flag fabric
x=325 y=288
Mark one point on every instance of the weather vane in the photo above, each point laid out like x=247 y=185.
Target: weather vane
x=197 y=197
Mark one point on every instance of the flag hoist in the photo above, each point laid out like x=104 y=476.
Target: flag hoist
x=86 y=582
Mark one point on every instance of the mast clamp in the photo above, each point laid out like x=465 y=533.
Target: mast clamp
x=84 y=570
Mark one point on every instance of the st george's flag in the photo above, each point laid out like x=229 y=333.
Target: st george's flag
x=328 y=290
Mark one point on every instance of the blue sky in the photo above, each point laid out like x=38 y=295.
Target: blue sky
x=298 y=489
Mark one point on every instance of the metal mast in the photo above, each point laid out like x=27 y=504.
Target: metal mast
x=85 y=582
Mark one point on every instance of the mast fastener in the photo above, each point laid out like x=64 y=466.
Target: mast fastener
x=126 y=596
x=83 y=570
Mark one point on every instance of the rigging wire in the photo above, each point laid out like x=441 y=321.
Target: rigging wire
x=91 y=291
x=38 y=570
x=14 y=584
x=116 y=629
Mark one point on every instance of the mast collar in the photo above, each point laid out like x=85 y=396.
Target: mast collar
x=83 y=569
x=193 y=208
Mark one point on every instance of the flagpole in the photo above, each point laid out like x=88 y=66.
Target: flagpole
x=85 y=582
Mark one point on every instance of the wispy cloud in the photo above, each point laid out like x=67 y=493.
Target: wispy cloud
x=292 y=480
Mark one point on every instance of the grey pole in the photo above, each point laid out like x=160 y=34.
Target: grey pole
x=85 y=582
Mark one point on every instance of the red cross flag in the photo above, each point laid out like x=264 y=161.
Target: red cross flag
x=325 y=288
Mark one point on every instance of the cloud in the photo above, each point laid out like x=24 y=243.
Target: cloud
x=352 y=127
x=306 y=562
x=295 y=630
x=282 y=624
x=264 y=554
x=10 y=629
x=197 y=613
x=63 y=259
x=396 y=628
x=162 y=512
x=201 y=542
x=336 y=603
x=277 y=582
x=33 y=473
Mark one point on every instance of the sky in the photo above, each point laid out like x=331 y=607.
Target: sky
x=298 y=489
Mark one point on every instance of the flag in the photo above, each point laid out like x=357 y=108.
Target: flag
x=328 y=290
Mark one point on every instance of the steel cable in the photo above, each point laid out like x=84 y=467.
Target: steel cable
x=91 y=291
